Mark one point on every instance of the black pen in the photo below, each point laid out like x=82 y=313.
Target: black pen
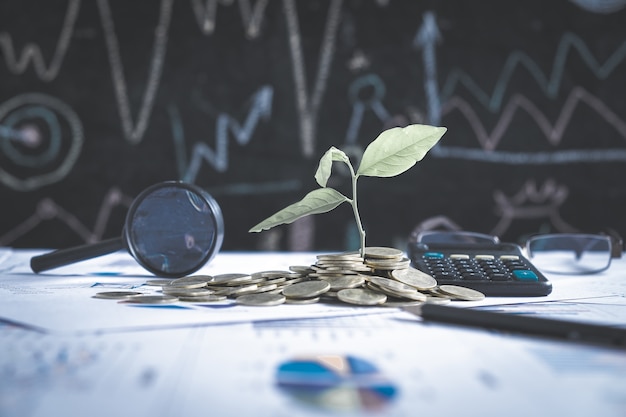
x=557 y=329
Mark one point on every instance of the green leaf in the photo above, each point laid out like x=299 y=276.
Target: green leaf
x=398 y=149
x=326 y=162
x=317 y=201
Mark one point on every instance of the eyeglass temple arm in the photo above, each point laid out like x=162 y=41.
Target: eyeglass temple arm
x=617 y=244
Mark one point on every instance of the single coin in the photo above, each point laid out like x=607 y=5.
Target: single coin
x=399 y=303
x=151 y=299
x=301 y=269
x=415 y=278
x=203 y=299
x=186 y=292
x=382 y=252
x=415 y=295
x=195 y=281
x=350 y=256
x=263 y=299
x=306 y=289
x=158 y=282
x=116 y=295
x=221 y=279
x=343 y=282
x=275 y=274
x=302 y=300
x=393 y=285
x=361 y=296
x=433 y=299
x=256 y=289
x=462 y=293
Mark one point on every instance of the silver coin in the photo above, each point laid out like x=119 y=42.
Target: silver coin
x=414 y=278
x=195 y=281
x=302 y=300
x=342 y=282
x=257 y=289
x=158 y=282
x=414 y=296
x=264 y=299
x=395 y=286
x=383 y=252
x=116 y=295
x=461 y=293
x=203 y=299
x=302 y=269
x=186 y=292
x=398 y=303
x=306 y=289
x=433 y=299
x=221 y=279
x=361 y=296
x=152 y=299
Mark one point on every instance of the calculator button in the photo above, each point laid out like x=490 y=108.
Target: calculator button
x=509 y=257
x=525 y=275
x=458 y=256
x=499 y=277
x=433 y=255
x=472 y=276
x=484 y=257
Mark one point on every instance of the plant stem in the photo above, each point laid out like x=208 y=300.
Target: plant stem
x=355 y=210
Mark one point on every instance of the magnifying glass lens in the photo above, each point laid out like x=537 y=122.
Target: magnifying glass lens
x=172 y=230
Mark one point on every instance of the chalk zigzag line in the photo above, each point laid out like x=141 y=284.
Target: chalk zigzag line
x=32 y=52
x=206 y=15
x=553 y=132
x=550 y=84
x=48 y=209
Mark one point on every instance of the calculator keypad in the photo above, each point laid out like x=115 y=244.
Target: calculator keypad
x=479 y=267
x=497 y=270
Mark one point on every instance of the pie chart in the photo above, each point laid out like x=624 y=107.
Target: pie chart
x=336 y=382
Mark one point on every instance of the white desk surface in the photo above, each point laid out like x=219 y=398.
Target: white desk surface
x=65 y=353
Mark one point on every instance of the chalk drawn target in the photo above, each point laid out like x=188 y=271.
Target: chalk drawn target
x=40 y=140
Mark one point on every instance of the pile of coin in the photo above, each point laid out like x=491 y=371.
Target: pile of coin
x=383 y=277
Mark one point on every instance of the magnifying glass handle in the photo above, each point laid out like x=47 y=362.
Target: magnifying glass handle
x=67 y=256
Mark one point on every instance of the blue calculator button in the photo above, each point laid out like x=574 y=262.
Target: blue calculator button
x=437 y=255
x=525 y=275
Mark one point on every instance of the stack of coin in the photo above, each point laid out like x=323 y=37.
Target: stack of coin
x=383 y=277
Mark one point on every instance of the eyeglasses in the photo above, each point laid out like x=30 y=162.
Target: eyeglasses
x=562 y=253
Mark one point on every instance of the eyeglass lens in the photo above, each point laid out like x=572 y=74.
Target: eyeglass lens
x=570 y=253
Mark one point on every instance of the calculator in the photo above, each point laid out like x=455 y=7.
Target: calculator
x=495 y=269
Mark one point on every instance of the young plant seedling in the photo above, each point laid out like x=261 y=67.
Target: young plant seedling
x=393 y=152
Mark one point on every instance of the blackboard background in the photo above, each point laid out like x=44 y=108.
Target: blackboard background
x=229 y=72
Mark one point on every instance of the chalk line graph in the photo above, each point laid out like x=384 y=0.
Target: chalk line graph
x=425 y=40
x=252 y=16
x=549 y=84
x=47 y=209
x=218 y=158
x=31 y=53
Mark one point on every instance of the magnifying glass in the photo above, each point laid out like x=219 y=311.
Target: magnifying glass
x=172 y=229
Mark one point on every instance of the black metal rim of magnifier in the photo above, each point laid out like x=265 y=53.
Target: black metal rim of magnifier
x=217 y=219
